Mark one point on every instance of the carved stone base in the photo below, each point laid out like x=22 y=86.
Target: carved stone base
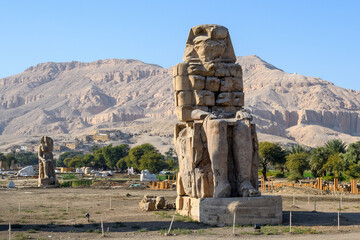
x=47 y=182
x=220 y=211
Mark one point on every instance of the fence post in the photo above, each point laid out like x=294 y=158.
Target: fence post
x=339 y=217
x=290 y=220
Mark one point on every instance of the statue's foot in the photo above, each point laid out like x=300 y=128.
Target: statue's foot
x=248 y=190
x=223 y=189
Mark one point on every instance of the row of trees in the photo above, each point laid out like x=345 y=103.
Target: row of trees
x=20 y=158
x=331 y=159
x=141 y=157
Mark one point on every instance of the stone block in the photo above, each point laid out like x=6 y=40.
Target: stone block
x=47 y=182
x=204 y=98
x=160 y=202
x=226 y=84
x=182 y=83
x=238 y=84
x=224 y=109
x=184 y=98
x=238 y=99
x=224 y=99
x=197 y=82
x=221 y=70
x=199 y=69
x=235 y=70
x=220 y=211
x=183 y=113
x=180 y=69
x=212 y=84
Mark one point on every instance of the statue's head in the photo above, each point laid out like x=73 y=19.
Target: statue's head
x=209 y=43
x=47 y=144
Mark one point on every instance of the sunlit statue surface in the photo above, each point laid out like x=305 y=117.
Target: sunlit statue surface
x=47 y=176
x=217 y=145
x=215 y=140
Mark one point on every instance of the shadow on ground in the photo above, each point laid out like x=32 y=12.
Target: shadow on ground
x=309 y=218
x=109 y=226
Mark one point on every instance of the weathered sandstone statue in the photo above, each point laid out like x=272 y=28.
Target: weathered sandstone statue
x=216 y=142
x=47 y=176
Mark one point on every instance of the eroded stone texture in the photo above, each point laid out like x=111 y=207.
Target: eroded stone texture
x=217 y=143
x=215 y=140
x=47 y=176
x=220 y=211
x=152 y=203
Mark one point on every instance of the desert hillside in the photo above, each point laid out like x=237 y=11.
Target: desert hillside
x=74 y=98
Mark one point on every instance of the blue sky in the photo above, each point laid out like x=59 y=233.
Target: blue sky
x=314 y=38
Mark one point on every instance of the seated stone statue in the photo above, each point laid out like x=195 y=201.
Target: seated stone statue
x=46 y=162
x=216 y=143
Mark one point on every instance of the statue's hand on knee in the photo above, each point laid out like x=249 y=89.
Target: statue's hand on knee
x=243 y=114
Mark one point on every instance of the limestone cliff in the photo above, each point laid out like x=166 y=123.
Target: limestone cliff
x=76 y=98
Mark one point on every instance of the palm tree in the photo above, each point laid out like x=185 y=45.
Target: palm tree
x=297 y=149
x=335 y=146
x=317 y=160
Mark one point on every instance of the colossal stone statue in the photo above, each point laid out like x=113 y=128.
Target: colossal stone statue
x=47 y=176
x=217 y=144
x=215 y=141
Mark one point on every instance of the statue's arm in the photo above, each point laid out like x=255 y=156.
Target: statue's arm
x=40 y=155
x=198 y=114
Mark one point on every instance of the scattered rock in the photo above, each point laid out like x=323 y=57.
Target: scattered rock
x=160 y=202
x=151 y=203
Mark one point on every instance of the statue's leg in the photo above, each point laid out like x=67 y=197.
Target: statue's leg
x=218 y=151
x=41 y=169
x=46 y=169
x=243 y=155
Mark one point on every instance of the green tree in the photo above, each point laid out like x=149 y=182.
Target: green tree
x=317 y=160
x=335 y=146
x=99 y=161
x=70 y=154
x=66 y=162
x=270 y=154
x=135 y=154
x=88 y=160
x=297 y=149
x=76 y=162
x=335 y=164
x=353 y=170
x=352 y=160
x=121 y=164
x=352 y=154
x=94 y=148
x=297 y=163
x=10 y=158
x=171 y=159
x=113 y=154
x=153 y=161
x=26 y=158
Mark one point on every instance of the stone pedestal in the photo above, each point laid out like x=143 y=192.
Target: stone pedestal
x=220 y=211
x=47 y=182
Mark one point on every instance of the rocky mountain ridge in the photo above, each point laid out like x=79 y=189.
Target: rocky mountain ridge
x=75 y=98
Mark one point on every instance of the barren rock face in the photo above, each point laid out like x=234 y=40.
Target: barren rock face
x=75 y=97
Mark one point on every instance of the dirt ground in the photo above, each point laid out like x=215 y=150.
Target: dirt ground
x=59 y=213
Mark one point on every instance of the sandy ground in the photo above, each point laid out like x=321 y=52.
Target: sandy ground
x=59 y=213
